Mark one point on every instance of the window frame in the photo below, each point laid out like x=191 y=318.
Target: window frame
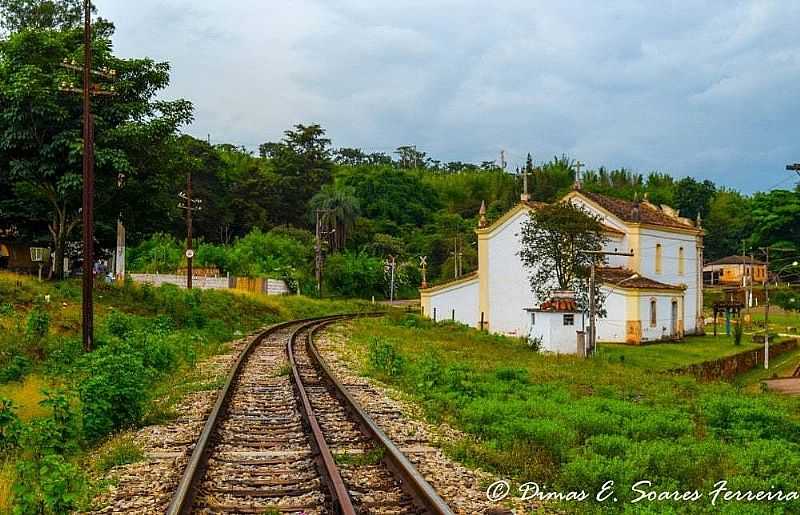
x=659 y=252
x=653 y=313
x=571 y=319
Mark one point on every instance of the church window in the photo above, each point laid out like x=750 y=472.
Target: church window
x=658 y=258
x=533 y=318
x=569 y=319
x=653 y=313
x=680 y=261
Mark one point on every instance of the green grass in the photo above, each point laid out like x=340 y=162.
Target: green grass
x=667 y=356
x=573 y=424
x=782 y=365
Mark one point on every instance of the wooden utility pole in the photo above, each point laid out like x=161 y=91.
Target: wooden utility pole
x=592 y=301
x=189 y=249
x=319 y=233
x=88 y=183
x=392 y=262
x=190 y=204
x=87 y=211
x=766 y=310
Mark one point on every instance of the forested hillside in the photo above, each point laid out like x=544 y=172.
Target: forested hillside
x=259 y=207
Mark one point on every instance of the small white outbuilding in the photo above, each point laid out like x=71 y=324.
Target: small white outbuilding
x=555 y=324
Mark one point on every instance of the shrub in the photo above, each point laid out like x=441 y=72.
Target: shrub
x=10 y=425
x=384 y=358
x=738 y=332
x=37 y=324
x=16 y=369
x=351 y=274
x=610 y=446
x=738 y=418
x=119 y=324
x=113 y=394
x=47 y=485
x=58 y=433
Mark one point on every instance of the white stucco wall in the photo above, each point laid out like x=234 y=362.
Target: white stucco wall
x=556 y=337
x=663 y=328
x=669 y=273
x=463 y=298
x=509 y=285
x=611 y=328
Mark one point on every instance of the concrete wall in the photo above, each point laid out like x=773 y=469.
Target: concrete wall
x=462 y=297
x=265 y=286
x=203 y=283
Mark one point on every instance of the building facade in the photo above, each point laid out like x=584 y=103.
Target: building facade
x=735 y=271
x=655 y=294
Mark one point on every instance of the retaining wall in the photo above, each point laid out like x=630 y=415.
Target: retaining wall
x=731 y=366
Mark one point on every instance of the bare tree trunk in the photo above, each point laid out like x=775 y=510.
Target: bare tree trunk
x=60 y=229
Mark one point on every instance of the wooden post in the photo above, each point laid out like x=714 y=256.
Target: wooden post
x=482 y=321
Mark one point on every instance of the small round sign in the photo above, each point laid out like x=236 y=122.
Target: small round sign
x=189 y=253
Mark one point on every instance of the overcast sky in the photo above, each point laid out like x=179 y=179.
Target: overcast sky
x=708 y=89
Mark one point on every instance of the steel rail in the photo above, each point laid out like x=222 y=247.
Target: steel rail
x=331 y=475
x=413 y=483
x=183 y=498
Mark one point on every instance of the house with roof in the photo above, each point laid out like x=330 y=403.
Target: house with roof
x=655 y=294
x=735 y=270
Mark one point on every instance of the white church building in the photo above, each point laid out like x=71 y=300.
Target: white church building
x=656 y=294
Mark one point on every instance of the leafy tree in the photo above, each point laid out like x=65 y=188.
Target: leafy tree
x=395 y=197
x=303 y=162
x=19 y=15
x=341 y=208
x=40 y=129
x=410 y=157
x=354 y=274
x=350 y=156
x=551 y=180
x=729 y=221
x=776 y=216
x=552 y=240
x=692 y=197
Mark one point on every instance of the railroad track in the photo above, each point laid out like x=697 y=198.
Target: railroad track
x=285 y=436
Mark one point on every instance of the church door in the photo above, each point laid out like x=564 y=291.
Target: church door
x=674 y=319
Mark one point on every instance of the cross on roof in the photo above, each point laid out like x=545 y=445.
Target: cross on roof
x=578 y=182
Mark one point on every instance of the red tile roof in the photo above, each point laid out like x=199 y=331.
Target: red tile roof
x=558 y=305
x=625 y=278
x=636 y=212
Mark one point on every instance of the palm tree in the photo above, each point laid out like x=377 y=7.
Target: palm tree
x=341 y=208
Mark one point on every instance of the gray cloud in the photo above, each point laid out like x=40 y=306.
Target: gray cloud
x=694 y=88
